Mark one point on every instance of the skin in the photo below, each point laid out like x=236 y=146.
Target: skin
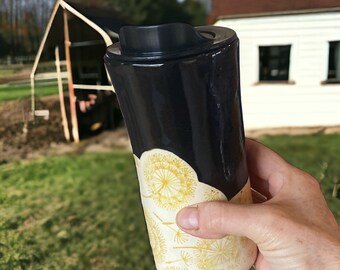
x=293 y=228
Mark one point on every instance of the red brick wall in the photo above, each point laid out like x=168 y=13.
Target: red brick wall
x=235 y=7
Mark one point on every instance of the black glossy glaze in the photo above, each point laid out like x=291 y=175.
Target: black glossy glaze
x=190 y=106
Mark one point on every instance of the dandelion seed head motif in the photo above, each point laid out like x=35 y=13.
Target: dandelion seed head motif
x=167 y=184
x=157 y=241
x=186 y=257
x=214 y=254
x=171 y=181
x=181 y=237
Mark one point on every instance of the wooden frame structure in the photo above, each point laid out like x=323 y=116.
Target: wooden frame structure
x=66 y=9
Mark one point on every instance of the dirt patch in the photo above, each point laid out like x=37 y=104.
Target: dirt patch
x=22 y=138
x=22 y=74
x=257 y=133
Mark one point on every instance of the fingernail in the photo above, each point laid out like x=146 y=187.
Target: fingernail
x=187 y=218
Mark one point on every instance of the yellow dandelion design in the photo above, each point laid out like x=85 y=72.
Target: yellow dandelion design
x=157 y=241
x=185 y=258
x=221 y=253
x=180 y=237
x=170 y=180
x=216 y=254
x=167 y=184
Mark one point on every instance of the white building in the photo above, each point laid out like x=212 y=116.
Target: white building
x=290 y=67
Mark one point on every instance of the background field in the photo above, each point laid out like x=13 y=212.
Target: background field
x=83 y=211
x=23 y=91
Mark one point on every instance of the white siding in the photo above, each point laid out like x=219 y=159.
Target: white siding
x=305 y=103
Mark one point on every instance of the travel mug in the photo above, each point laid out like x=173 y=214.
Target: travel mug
x=179 y=91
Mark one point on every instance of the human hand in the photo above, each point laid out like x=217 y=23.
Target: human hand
x=293 y=229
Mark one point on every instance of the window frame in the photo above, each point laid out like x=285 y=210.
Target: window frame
x=328 y=79
x=279 y=59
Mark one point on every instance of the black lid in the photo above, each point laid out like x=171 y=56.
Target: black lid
x=167 y=41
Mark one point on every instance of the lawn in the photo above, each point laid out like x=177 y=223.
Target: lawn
x=22 y=91
x=317 y=154
x=72 y=212
x=83 y=211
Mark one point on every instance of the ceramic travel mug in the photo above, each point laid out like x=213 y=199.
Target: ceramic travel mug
x=179 y=91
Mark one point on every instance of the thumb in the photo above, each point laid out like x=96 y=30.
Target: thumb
x=217 y=219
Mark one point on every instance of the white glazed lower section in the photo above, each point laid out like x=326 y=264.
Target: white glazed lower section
x=167 y=184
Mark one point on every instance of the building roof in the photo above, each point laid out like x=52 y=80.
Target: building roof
x=242 y=8
x=278 y=13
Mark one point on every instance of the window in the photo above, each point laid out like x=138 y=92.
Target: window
x=334 y=62
x=274 y=63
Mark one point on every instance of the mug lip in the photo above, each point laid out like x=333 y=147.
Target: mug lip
x=221 y=37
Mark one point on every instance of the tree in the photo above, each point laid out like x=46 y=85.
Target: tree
x=197 y=12
x=22 y=23
x=146 y=12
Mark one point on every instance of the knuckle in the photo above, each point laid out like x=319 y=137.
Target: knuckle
x=306 y=182
x=312 y=183
x=315 y=183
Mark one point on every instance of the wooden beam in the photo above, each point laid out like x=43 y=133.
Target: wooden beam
x=104 y=35
x=61 y=95
x=73 y=110
x=42 y=44
x=94 y=87
x=32 y=96
x=51 y=75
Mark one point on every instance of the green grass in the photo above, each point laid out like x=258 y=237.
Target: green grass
x=316 y=154
x=72 y=212
x=5 y=72
x=83 y=211
x=21 y=91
